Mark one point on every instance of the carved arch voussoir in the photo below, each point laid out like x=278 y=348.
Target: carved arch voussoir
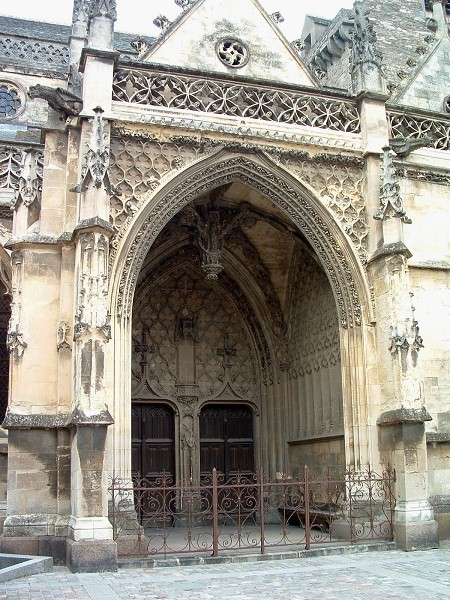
x=308 y=213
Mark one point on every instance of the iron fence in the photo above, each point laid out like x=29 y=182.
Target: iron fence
x=152 y=518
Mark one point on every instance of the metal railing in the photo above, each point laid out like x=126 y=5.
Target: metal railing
x=250 y=513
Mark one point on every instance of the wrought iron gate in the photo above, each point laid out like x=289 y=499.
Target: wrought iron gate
x=250 y=513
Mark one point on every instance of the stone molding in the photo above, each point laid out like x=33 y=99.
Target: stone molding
x=46 y=421
x=404 y=415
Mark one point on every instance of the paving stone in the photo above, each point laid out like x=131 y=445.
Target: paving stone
x=393 y=574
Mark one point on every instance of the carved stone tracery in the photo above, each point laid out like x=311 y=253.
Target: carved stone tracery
x=270 y=185
x=170 y=91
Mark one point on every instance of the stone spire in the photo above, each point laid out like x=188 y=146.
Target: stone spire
x=102 y=15
x=366 y=60
x=80 y=18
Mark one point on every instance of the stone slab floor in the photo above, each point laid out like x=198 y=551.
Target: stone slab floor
x=390 y=574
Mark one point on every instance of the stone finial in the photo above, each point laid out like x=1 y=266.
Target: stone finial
x=103 y=8
x=162 y=22
x=391 y=203
x=366 y=60
x=81 y=10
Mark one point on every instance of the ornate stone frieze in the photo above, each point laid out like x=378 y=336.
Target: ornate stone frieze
x=422 y=175
x=413 y=127
x=16 y=50
x=272 y=187
x=10 y=167
x=62 y=101
x=92 y=313
x=391 y=203
x=139 y=163
x=325 y=138
x=96 y=170
x=29 y=190
x=137 y=167
x=62 y=334
x=103 y=8
x=170 y=91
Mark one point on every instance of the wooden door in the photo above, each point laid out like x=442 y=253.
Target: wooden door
x=226 y=440
x=153 y=459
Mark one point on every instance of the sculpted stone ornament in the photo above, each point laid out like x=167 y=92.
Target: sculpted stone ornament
x=103 y=8
x=213 y=229
x=80 y=10
x=140 y=45
x=63 y=331
x=404 y=146
x=30 y=182
x=409 y=339
x=162 y=22
x=391 y=203
x=96 y=170
x=366 y=60
x=62 y=101
x=15 y=342
x=184 y=4
x=277 y=17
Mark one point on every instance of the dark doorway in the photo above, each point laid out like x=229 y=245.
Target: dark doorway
x=153 y=462
x=152 y=442
x=226 y=440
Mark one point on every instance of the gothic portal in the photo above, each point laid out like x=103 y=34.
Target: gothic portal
x=220 y=248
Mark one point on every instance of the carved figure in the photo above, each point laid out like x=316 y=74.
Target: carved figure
x=404 y=146
x=59 y=99
x=391 y=203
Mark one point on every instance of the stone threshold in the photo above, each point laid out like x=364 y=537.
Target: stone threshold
x=190 y=561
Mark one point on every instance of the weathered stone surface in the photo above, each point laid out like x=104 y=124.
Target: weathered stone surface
x=91 y=556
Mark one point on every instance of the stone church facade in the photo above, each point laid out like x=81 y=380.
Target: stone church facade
x=217 y=224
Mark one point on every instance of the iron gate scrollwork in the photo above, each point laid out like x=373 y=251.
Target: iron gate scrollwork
x=250 y=513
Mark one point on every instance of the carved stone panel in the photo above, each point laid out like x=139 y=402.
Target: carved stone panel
x=190 y=296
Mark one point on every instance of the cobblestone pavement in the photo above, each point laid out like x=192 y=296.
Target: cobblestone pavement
x=380 y=575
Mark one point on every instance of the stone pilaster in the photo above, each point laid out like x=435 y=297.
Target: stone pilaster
x=402 y=443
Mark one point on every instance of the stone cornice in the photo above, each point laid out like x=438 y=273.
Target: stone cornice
x=404 y=415
x=390 y=250
x=43 y=421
